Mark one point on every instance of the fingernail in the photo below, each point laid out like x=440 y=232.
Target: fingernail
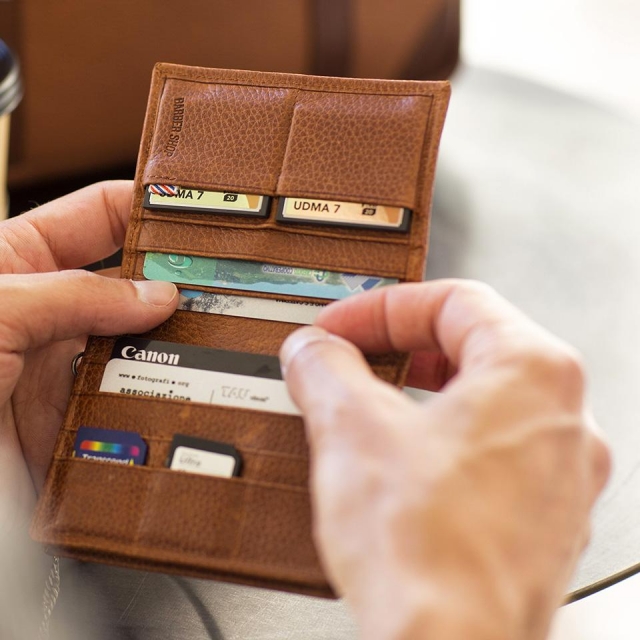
x=296 y=342
x=155 y=293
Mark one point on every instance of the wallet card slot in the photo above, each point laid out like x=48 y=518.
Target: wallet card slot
x=101 y=500
x=353 y=234
x=359 y=147
x=231 y=221
x=138 y=274
x=247 y=335
x=258 y=465
x=206 y=219
x=275 y=246
x=220 y=137
x=153 y=418
x=195 y=518
x=226 y=523
x=384 y=365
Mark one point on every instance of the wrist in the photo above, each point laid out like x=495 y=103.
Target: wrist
x=408 y=608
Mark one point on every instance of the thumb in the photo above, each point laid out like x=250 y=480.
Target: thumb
x=331 y=382
x=45 y=307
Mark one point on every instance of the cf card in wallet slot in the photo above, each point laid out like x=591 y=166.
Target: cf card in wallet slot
x=174 y=198
x=350 y=214
x=206 y=457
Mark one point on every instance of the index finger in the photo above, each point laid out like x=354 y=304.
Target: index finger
x=464 y=320
x=73 y=231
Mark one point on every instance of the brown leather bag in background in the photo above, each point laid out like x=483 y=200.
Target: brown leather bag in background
x=86 y=65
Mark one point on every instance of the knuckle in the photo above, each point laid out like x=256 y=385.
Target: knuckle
x=560 y=367
x=344 y=409
x=80 y=277
x=601 y=462
x=567 y=366
x=475 y=289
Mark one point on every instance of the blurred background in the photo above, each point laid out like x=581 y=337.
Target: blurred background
x=536 y=194
x=86 y=66
x=588 y=48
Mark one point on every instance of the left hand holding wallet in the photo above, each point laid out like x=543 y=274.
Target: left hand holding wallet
x=49 y=308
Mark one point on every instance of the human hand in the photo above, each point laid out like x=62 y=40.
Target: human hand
x=48 y=308
x=462 y=516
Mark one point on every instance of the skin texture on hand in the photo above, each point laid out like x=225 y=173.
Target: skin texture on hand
x=463 y=516
x=49 y=306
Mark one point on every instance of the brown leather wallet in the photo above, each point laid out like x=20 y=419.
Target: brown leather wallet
x=277 y=135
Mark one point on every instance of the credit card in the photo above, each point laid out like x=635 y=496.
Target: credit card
x=206 y=457
x=351 y=214
x=169 y=196
x=167 y=370
x=246 y=307
x=110 y=445
x=258 y=276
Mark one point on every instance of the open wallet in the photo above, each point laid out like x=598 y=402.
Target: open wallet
x=264 y=197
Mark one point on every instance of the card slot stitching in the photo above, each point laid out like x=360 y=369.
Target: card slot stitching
x=188 y=218
x=342 y=197
x=324 y=231
x=258 y=452
x=419 y=190
x=235 y=186
x=366 y=197
x=100 y=363
x=277 y=228
x=251 y=294
x=424 y=155
x=134 y=236
x=123 y=548
x=369 y=195
x=288 y=142
x=253 y=257
x=341 y=235
x=430 y=92
x=187 y=477
x=281 y=297
x=123 y=396
x=145 y=248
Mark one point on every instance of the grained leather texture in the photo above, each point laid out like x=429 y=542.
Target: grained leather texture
x=280 y=247
x=373 y=151
x=270 y=134
x=232 y=134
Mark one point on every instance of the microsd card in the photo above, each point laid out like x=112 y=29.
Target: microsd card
x=206 y=457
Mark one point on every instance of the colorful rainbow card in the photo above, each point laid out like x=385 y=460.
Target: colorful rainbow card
x=110 y=445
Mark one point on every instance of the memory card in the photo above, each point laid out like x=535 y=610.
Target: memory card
x=110 y=445
x=176 y=198
x=348 y=214
x=206 y=457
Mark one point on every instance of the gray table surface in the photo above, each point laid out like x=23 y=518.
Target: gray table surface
x=537 y=195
